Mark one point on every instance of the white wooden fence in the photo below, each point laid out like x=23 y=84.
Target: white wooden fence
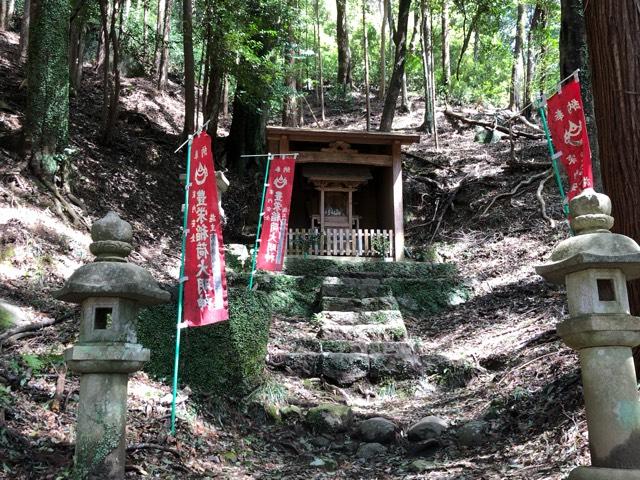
x=340 y=242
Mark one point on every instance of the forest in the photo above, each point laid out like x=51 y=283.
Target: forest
x=449 y=306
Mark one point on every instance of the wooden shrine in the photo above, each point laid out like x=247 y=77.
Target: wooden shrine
x=347 y=194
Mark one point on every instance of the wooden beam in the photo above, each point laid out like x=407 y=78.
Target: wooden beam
x=349 y=136
x=348 y=158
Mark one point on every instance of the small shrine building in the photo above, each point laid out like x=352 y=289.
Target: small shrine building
x=347 y=194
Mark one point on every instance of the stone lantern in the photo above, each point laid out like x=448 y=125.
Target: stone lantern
x=595 y=265
x=110 y=292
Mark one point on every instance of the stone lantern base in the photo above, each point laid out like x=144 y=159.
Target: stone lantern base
x=593 y=473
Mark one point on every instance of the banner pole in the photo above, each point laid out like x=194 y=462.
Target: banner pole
x=181 y=290
x=554 y=163
x=255 y=247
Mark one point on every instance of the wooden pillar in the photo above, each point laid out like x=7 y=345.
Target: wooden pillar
x=398 y=215
x=350 y=210
x=284 y=144
x=322 y=210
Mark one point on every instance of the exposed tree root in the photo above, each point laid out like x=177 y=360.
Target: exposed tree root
x=28 y=327
x=543 y=205
x=491 y=126
x=515 y=189
x=77 y=220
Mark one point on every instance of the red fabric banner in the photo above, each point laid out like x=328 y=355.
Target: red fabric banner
x=569 y=133
x=273 y=238
x=205 y=288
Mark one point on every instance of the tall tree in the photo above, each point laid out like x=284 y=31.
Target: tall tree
x=427 y=67
x=47 y=119
x=342 y=39
x=574 y=55
x=400 y=59
x=612 y=28
x=290 y=101
x=79 y=14
x=189 y=68
x=6 y=13
x=111 y=15
x=319 y=54
x=163 y=63
x=515 y=97
x=446 y=48
x=383 y=53
x=24 y=32
x=365 y=47
x=537 y=23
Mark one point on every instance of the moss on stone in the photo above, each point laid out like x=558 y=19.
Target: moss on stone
x=227 y=358
x=329 y=417
x=332 y=268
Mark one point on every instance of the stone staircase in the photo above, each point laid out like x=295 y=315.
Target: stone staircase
x=359 y=334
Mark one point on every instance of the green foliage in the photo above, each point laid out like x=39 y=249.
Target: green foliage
x=427 y=296
x=222 y=359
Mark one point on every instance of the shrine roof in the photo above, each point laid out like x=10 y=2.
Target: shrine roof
x=351 y=136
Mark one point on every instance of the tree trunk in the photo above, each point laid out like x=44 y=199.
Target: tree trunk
x=383 y=54
x=3 y=9
x=112 y=84
x=395 y=84
x=612 y=34
x=537 y=22
x=476 y=45
x=290 y=103
x=163 y=66
x=158 y=36
x=47 y=116
x=342 y=39
x=24 y=31
x=574 y=55
x=7 y=8
x=515 y=97
x=76 y=42
x=103 y=40
x=427 y=124
x=189 y=68
x=365 y=47
x=145 y=16
x=446 y=49
x=320 y=76
x=247 y=132
x=225 y=97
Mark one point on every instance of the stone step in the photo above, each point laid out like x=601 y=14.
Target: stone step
x=355 y=291
x=393 y=331
x=315 y=345
x=345 y=369
x=359 y=304
x=351 y=281
x=377 y=317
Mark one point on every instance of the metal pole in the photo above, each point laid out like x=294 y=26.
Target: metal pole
x=180 y=292
x=554 y=163
x=255 y=247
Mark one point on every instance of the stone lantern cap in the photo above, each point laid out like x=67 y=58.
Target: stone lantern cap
x=110 y=275
x=593 y=245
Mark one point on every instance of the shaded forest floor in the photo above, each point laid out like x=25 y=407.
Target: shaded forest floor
x=517 y=376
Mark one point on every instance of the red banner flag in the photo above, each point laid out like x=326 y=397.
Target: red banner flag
x=205 y=289
x=569 y=132
x=273 y=238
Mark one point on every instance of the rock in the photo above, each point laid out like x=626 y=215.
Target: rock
x=398 y=366
x=419 y=466
x=291 y=413
x=428 y=428
x=11 y=316
x=320 y=441
x=473 y=434
x=345 y=368
x=236 y=256
x=324 y=463
x=330 y=418
x=368 y=451
x=377 y=429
